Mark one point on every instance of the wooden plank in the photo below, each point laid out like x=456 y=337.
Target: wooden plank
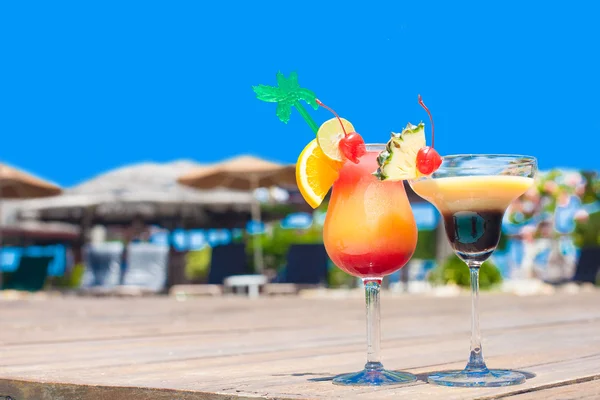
x=56 y=322
x=24 y=390
x=284 y=347
x=204 y=345
x=581 y=390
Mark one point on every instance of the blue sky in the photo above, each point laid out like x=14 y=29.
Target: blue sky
x=89 y=86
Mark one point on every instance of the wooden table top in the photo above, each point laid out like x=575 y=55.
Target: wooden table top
x=290 y=347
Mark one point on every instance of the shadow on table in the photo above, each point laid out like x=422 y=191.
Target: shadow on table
x=321 y=379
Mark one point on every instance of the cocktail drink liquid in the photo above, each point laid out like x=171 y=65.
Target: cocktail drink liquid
x=369 y=232
x=472 y=192
x=472 y=208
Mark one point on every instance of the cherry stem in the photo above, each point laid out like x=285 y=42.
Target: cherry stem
x=430 y=118
x=334 y=113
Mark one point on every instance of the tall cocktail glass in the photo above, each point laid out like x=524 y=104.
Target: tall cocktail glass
x=370 y=232
x=472 y=193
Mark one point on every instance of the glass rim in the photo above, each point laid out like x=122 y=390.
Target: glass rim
x=524 y=160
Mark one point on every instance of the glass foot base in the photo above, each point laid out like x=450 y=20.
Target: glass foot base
x=484 y=378
x=374 y=377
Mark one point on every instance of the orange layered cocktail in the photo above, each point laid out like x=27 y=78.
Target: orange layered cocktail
x=370 y=230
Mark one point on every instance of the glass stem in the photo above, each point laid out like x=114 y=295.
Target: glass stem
x=476 y=362
x=372 y=290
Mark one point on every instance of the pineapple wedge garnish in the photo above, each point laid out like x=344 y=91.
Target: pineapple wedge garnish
x=399 y=159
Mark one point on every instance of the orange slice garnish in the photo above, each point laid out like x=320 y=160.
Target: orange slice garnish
x=315 y=173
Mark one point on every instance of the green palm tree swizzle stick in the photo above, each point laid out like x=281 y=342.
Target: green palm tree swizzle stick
x=287 y=94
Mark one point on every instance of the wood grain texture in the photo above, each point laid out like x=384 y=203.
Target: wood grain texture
x=289 y=347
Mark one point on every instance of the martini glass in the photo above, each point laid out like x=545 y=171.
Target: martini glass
x=370 y=232
x=472 y=193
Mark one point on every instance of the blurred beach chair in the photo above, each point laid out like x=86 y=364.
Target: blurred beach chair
x=102 y=268
x=176 y=268
x=306 y=264
x=146 y=271
x=306 y=267
x=30 y=275
x=588 y=265
x=227 y=260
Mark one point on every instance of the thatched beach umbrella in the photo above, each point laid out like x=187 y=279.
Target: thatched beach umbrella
x=243 y=173
x=148 y=191
x=18 y=184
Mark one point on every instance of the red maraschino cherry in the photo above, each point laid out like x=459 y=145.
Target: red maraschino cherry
x=428 y=159
x=352 y=144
